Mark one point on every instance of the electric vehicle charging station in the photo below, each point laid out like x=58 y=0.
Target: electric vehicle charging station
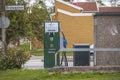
x=51 y=43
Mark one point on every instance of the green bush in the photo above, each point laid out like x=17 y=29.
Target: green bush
x=13 y=58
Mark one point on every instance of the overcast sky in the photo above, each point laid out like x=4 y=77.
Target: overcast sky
x=85 y=0
x=48 y=2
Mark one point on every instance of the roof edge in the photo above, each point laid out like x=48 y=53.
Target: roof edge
x=110 y=7
x=97 y=6
x=74 y=14
x=71 y=5
x=52 y=14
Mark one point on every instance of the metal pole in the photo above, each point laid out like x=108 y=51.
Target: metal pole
x=3 y=26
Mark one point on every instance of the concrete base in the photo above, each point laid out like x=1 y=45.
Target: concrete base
x=87 y=69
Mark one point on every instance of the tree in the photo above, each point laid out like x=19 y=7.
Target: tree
x=18 y=21
x=91 y=0
x=67 y=0
x=38 y=15
x=115 y=3
x=24 y=23
x=100 y=2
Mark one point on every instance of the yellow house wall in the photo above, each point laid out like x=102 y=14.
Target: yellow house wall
x=55 y=17
x=77 y=29
x=65 y=7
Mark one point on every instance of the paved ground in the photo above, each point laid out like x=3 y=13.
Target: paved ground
x=36 y=62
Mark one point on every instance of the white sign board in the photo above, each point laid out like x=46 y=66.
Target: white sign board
x=6 y=22
x=14 y=7
x=51 y=26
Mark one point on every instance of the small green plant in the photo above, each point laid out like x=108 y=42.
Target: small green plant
x=13 y=58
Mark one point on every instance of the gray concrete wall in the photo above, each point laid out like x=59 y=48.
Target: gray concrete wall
x=86 y=69
x=107 y=35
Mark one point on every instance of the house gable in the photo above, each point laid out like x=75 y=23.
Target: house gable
x=87 y=6
x=77 y=28
x=67 y=6
x=73 y=14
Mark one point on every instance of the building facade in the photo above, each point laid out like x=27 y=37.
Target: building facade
x=76 y=25
x=107 y=35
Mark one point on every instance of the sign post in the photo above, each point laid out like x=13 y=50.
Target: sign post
x=1 y=5
x=51 y=43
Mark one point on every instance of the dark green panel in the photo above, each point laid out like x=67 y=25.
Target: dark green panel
x=51 y=46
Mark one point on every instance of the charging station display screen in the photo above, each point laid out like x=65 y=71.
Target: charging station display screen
x=51 y=26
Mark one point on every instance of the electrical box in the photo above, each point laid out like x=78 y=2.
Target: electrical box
x=81 y=58
x=51 y=43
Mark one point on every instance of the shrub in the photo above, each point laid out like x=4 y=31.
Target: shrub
x=13 y=58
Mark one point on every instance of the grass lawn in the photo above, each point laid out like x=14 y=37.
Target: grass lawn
x=26 y=47
x=45 y=75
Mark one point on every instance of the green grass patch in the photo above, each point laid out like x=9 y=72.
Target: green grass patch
x=68 y=53
x=37 y=52
x=26 y=47
x=24 y=74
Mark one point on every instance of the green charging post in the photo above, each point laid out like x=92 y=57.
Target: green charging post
x=51 y=43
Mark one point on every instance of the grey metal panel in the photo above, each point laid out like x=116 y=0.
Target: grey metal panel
x=81 y=58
